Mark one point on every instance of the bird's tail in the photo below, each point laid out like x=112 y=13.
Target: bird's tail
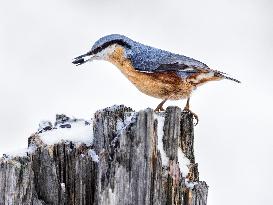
x=225 y=76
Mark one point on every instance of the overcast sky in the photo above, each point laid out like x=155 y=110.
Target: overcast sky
x=233 y=140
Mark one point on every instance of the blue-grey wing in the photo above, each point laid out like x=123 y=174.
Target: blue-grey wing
x=149 y=59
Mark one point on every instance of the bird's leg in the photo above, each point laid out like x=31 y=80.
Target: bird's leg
x=160 y=106
x=187 y=108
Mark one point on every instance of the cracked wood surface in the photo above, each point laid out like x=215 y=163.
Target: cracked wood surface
x=129 y=170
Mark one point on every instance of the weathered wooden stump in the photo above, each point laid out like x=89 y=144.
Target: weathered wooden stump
x=144 y=158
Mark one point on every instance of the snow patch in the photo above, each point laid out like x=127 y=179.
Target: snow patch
x=160 y=133
x=119 y=125
x=112 y=196
x=44 y=126
x=128 y=118
x=77 y=131
x=112 y=108
x=183 y=161
x=189 y=184
x=63 y=186
x=24 y=152
x=108 y=196
x=93 y=155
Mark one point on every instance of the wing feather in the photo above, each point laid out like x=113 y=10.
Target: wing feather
x=149 y=59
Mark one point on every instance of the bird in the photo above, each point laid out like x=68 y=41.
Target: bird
x=155 y=72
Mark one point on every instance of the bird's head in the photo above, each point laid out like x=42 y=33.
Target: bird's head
x=103 y=48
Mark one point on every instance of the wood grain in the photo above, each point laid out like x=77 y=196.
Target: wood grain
x=129 y=170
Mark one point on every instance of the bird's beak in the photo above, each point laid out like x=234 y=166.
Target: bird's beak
x=83 y=58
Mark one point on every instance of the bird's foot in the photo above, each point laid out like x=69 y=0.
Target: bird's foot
x=160 y=106
x=195 y=117
x=159 y=109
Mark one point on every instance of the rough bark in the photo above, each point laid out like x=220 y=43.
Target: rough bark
x=129 y=170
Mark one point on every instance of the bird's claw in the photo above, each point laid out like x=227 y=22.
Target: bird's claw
x=193 y=114
x=159 y=109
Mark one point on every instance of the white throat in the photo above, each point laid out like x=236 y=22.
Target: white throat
x=105 y=53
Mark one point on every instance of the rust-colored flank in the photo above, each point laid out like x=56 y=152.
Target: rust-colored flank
x=163 y=85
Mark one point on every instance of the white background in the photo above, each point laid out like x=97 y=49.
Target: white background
x=233 y=143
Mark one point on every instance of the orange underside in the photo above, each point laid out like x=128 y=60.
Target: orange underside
x=163 y=85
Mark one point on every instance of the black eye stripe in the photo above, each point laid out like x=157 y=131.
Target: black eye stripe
x=105 y=45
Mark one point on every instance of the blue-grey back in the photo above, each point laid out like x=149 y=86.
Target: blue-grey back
x=149 y=59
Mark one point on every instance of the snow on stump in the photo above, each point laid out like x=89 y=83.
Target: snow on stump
x=118 y=157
